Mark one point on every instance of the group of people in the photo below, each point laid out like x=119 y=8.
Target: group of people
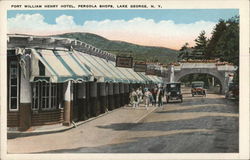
x=147 y=96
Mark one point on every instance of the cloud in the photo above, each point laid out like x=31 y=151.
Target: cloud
x=137 y=30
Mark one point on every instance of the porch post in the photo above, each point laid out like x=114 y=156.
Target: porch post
x=68 y=104
x=111 y=96
x=25 y=104
x=93 y=99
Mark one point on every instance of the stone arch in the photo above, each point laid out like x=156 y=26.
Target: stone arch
x=219 y=75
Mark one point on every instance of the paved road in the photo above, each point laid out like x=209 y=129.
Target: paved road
x=198 y=125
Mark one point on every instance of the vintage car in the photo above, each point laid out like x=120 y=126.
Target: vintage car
x=173 y=91
x=198 y=88
x=233 y=91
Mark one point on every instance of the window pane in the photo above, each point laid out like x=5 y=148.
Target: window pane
x=47 y=102
x=43 y=103
x=13 y=81
x=43 y=91
x=47 y=89
x=13 y=103
x=36 y=103
x=13 y=92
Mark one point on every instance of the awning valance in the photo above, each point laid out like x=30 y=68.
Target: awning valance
x=57 y=66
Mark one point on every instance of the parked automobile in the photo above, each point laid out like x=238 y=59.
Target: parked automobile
x=198 y=88
x=233 y=91
x=173 y=91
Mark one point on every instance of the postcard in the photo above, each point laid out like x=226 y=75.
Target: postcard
x=124 y=79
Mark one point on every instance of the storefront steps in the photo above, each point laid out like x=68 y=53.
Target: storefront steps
x=55 y=128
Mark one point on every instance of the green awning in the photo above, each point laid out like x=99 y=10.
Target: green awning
x=57 y=66
x=101 y=69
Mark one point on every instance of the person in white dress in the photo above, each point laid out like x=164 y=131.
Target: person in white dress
x=147 y=95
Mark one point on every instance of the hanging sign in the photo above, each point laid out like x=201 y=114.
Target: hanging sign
x=150 y=69
x=125 y=62
x=140 y=67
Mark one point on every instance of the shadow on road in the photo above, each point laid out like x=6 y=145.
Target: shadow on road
x=171 y=137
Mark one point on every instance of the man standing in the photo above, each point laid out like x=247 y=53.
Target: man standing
x=134 y=99
x=154 y=94
x=160 y=94
x=147 y=95
x=139 y=94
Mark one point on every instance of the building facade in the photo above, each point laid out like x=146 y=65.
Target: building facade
x=55 y=80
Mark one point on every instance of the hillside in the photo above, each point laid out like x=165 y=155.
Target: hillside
x=163 y=55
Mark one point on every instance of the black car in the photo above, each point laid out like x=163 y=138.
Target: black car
x=173 y=91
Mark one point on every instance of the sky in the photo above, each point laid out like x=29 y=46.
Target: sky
x=169 y=28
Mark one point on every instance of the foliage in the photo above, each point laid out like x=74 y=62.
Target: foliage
x=218 y=31
x=200 y=45
x=223 y=45
x=184 y=52
x=227 y=47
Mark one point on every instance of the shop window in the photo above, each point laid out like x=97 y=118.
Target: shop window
x=46 y=96
x=13 y=86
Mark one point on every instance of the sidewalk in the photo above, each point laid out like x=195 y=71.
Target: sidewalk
x=98 y=131
x=135 y=115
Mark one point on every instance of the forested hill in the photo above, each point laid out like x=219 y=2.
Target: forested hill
x=161 y=54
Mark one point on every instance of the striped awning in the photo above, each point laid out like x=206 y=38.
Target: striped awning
x=145 y=77
x=101 y=69
x=57 y=66
x=154 y=79
x=157 y=79
x=129 y=73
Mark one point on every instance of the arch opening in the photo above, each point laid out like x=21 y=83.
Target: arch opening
x=212 y=83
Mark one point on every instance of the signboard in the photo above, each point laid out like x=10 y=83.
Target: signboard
x=150 y=70
x=125 y=62
x=140 y=67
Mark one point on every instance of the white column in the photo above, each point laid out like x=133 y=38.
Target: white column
x=25 y=90
x=172 y=74
x=213 y=81
x=68 y=96
x=68 y=106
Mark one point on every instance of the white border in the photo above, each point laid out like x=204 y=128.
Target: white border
x=243 y=5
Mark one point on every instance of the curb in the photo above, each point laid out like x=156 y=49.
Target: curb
x=16 y=134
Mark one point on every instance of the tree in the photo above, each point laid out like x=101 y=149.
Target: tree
x=218 y=31
x=227 y=47
x=201 y=44
x=184 y=52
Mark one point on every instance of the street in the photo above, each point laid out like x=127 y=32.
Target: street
x=198 y=125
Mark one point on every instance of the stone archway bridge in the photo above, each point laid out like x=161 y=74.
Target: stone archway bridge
x=223 y=71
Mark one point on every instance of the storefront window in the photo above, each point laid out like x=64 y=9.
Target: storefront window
x=13 y=86
x=46 y=96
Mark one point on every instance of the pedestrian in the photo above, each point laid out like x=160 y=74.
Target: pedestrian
x=147 y=97
x=154 y=95
x=160 y=94
x=134 y=99
x=139 y=94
